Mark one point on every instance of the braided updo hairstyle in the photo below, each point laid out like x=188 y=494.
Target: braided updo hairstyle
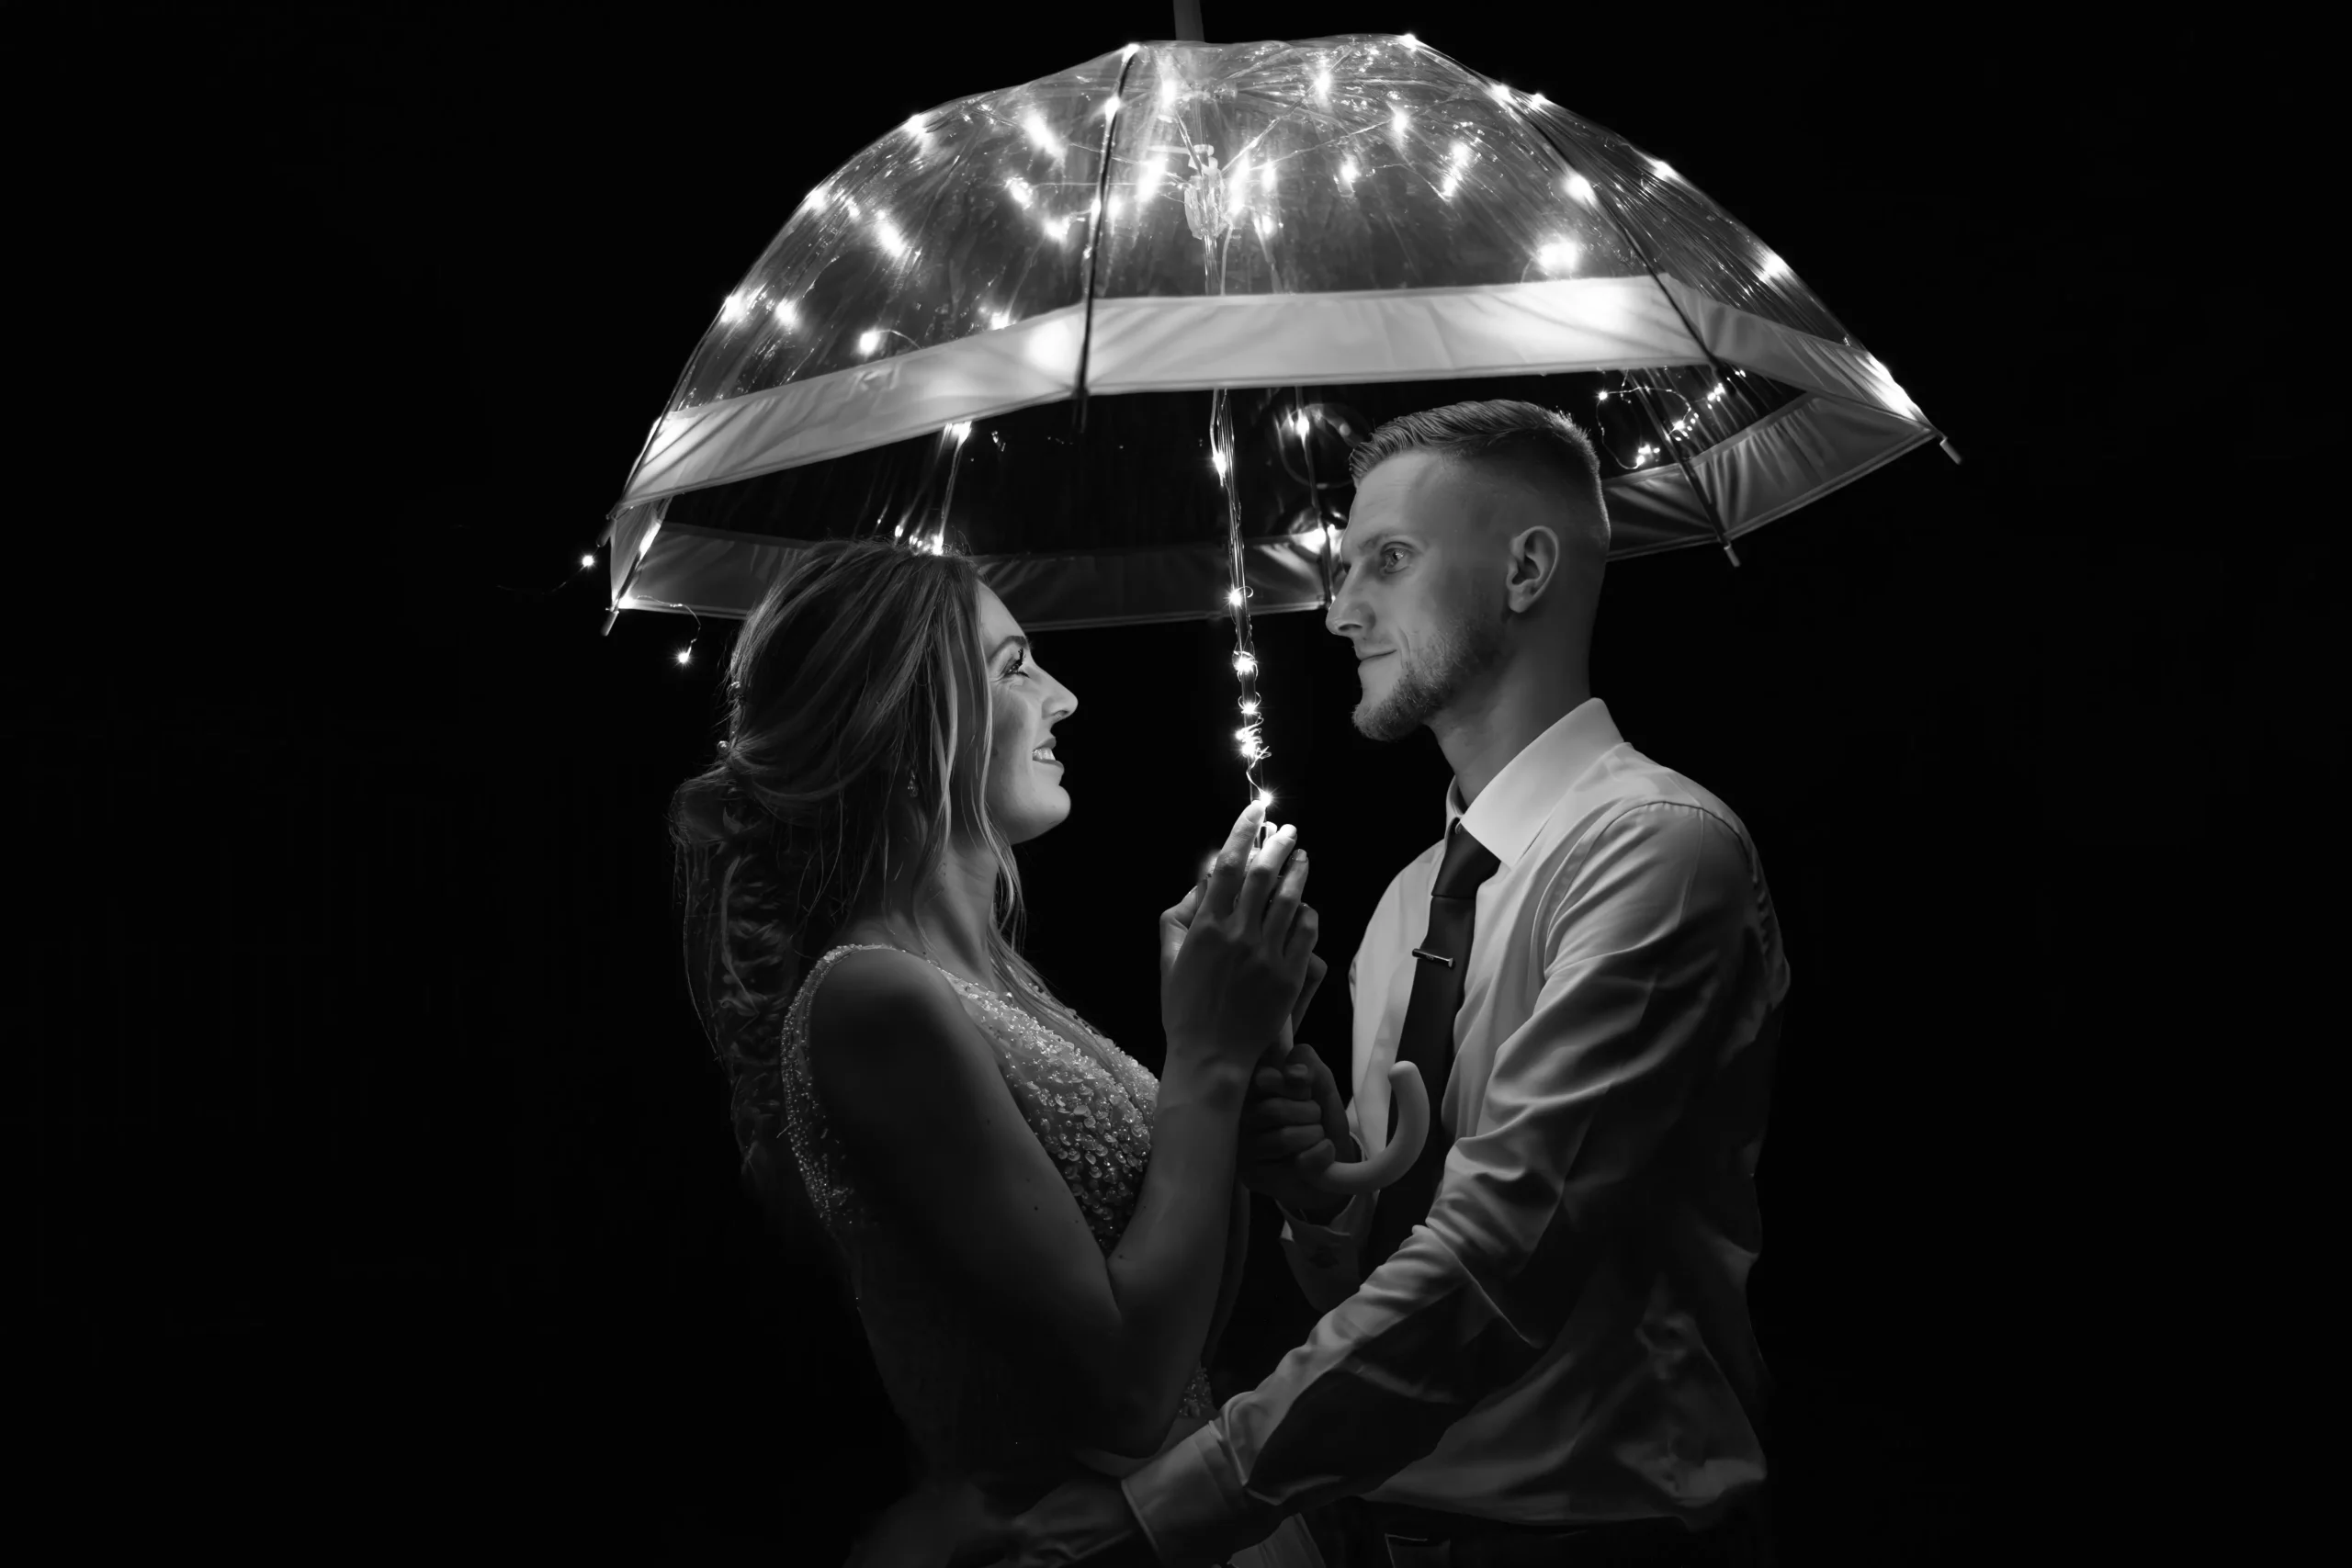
x=857 y=679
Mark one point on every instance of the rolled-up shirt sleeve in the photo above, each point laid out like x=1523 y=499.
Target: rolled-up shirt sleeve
x=1652 y=947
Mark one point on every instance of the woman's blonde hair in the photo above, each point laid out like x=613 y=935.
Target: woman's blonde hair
x=858 y=676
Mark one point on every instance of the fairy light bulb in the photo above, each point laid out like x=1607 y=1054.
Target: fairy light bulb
x=1250 y=704
x=1020 y=190
x=1217 y=457
x=1299 y=425
x=1111 y=106
x=870 y=340
x=1170 y=90
x=1560 y=256
x=1501 y=93
x=1664 y=170
x=1003 y=318
x=1244 y=665
x=1033 y=125
x=1579 y=189
x=587 y=560
x=1398 y=120
x=735 y=307
x=787 y=316
x=887 y=234
x=1266 y=799
x=686 y=655
x=1234 y=597
x=1323 y=85
x=1347 y=171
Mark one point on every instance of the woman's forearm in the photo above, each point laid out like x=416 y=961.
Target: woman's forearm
x=1162 y=1273
x=1237 y=1255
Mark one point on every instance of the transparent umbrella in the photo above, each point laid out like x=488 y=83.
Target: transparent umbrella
x=1110 y=329
x=1111 y=333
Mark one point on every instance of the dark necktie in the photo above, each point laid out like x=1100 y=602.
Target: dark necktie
x=1442 y=963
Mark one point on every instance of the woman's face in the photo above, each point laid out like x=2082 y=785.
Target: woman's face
x=1024 y=791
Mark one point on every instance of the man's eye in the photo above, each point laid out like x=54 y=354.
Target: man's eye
x=1386 y=551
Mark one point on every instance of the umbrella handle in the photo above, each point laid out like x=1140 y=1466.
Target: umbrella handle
x=1412 y=1102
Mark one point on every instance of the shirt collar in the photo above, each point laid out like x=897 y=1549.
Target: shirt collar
x=1517 y=801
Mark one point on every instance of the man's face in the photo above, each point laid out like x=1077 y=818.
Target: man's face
x=1416 y=591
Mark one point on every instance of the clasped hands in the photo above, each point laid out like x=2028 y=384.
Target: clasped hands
x=1293 y=1127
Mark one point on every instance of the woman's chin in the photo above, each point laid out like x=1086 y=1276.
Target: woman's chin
x=1047 y=814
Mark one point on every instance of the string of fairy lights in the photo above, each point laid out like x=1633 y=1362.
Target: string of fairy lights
x=1220 y=197
x=1217 y=195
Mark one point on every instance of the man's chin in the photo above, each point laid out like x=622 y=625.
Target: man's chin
x=1382 y=721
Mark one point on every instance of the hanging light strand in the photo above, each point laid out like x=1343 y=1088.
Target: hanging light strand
x=1249 y=735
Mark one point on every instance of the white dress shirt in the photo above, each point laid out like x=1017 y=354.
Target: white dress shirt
x=1565 y=1339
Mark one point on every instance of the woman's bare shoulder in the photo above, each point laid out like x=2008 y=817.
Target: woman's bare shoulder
x=881 y=1013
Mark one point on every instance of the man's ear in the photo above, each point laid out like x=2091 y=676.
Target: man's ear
x=1534 y=564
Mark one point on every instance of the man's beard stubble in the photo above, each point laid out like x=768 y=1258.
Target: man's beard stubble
x=1458 y=654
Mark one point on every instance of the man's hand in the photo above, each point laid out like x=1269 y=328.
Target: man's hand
x=1292 y=1129
x=1086 y=1522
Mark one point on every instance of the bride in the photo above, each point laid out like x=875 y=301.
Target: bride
x=1042 y=1241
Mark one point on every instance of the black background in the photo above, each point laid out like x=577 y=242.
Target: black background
x=370 y=1180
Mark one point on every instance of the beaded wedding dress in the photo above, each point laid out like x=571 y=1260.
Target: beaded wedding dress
x=970 y=1410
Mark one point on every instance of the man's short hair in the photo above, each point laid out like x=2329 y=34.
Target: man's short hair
x=1504 y=429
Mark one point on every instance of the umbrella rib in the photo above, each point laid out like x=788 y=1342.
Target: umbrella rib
x=1094 y=228
x=1632 y=242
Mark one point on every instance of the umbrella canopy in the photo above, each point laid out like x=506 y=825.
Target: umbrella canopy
x=1012 y=320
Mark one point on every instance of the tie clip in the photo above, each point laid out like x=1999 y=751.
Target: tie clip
x=1434 y=957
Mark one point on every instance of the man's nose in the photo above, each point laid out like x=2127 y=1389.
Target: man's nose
x=1343 y=618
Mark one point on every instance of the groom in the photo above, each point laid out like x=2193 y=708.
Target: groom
x=1535 y=1346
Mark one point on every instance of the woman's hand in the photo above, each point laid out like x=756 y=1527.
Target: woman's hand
x=1230 y=988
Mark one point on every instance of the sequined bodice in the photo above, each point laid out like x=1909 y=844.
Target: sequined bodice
x=1090 y=1105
